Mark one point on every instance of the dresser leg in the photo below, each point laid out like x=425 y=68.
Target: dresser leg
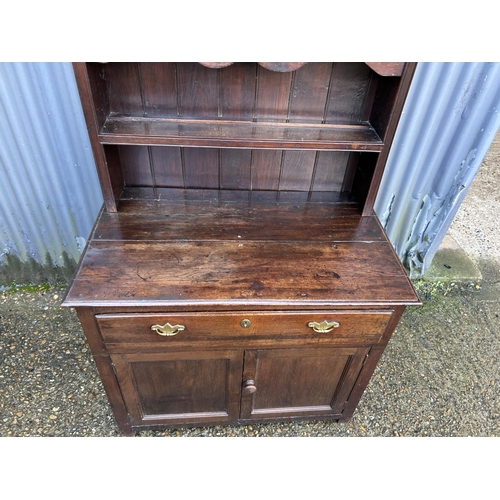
x=361 y=383
x=126 y=429
x=114 y=394
x=104 y=366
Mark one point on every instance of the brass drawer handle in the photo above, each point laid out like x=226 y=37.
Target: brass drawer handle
x=324 y=326
x=168 y=330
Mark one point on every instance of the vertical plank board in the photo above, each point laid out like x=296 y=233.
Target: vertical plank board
x=124 y=88
x=350 y=172
x=351 y=372
x=330 y=170
x=266 y=166
x=387 y=91
x=201 y=168
x=235 y=168
x=114 y=169
x=348 y=102
x=309 y=93
x=388 y=134
x=297 y=170
x=136 y=166
x=198 y=91
x=107 y=178
x=159 y=90
x=238 y=83
x=97 y=85
x=273 y=95
x=167 y=166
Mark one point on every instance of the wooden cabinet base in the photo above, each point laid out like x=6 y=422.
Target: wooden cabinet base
x=184 y=383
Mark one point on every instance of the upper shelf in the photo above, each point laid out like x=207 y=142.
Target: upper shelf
x=119 y=129
x=316 y=106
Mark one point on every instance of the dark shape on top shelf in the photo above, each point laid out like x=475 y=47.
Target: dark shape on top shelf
x=282 y=67
x=216 y=65
x=387 y=68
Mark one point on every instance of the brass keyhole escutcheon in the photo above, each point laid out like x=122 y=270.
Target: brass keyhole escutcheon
x=245 y=323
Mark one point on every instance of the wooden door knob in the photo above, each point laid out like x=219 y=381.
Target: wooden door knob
x=249 y=387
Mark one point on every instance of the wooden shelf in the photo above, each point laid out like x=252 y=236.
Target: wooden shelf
x=341 y=201
x=239 y=134
x=233 y=255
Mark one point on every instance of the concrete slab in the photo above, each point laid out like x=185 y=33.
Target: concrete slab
x=452 y=263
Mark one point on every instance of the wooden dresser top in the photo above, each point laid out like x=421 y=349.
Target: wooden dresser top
x=220 y=254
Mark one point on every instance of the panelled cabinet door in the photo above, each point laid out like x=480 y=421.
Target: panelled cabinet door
x=298 y=382
x=180 y=387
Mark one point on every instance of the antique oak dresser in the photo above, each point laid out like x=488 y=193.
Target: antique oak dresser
x=237 y=271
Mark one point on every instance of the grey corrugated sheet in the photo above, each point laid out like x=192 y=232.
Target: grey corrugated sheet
x=50 y=194
x=49 y=189
x=450 y=119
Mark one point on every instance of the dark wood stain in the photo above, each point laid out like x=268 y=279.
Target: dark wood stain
x=167 y=167
x=273 y=95
x=158 y=81
x=349 y=92
x=124 y=89
x=197 y=91
x=238 y=209
x=164 y=271
x=309 y=93
x=235 y=169
x=237 y=91
x=297 y=170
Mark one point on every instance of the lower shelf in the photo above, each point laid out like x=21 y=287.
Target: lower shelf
x=242 y=255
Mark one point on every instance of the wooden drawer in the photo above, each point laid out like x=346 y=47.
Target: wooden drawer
x=122 y=332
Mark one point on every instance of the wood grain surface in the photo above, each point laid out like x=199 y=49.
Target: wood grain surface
x=190 y=254
x=239 y=134
x=129 y=332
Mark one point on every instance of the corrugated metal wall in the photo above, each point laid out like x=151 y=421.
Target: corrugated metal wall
x=50 y=194
x=49 y=189
x=449 y=121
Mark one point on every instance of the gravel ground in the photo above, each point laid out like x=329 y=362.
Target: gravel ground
x=440 y=375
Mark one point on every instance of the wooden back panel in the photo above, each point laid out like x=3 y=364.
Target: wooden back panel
x=207 y=168
x=315 y=93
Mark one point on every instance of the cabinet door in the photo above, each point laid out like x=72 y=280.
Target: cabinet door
x=298 y=382
x=180 y=387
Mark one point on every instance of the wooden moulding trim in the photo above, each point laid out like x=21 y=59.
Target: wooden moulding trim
x=381 y=68
x=387 y=68
x=232 y=305
x=238 y=134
